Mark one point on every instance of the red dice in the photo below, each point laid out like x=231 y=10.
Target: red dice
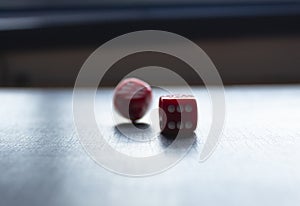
x=132 y=98
x=178 y=113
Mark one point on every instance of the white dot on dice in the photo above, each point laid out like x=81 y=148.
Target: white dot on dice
x=171 y=125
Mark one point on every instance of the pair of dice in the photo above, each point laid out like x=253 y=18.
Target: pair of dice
x=132 y=99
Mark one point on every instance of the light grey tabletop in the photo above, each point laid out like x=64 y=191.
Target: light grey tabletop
x=257 y=161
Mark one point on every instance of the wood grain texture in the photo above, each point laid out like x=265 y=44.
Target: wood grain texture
x=256 y=162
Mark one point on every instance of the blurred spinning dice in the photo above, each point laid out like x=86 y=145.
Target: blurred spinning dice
x=132 y=98
x=177 y=113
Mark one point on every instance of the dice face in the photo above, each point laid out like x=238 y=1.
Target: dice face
x=132 y=98
x=178 y=113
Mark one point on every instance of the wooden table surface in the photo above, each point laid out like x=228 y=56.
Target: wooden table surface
x=256 y=163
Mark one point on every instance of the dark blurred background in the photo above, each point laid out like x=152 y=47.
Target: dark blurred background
x=44 y=43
